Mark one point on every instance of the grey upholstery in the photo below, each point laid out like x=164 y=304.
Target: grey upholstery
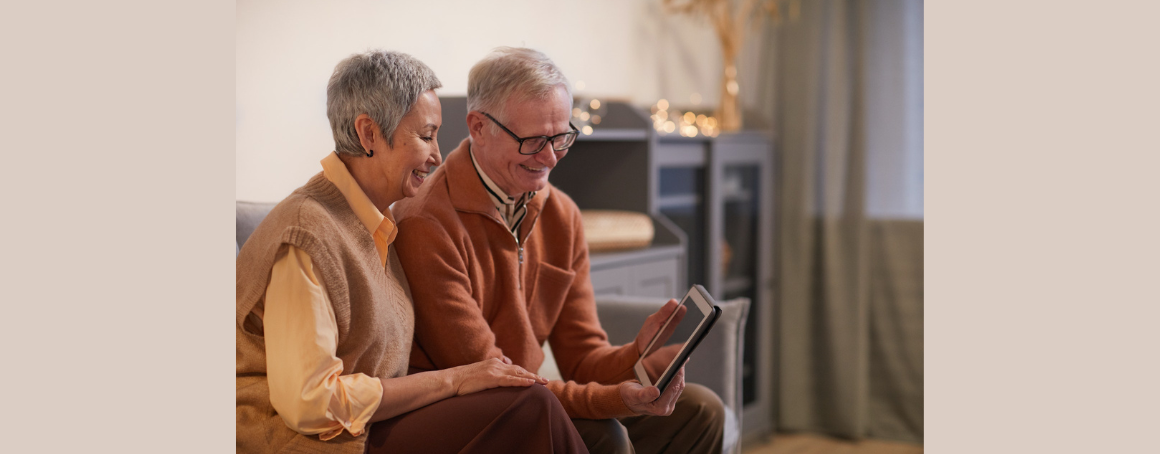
x=716 y=363
x=248 y=216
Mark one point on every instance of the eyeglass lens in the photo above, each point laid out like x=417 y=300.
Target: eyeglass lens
x=559 y=143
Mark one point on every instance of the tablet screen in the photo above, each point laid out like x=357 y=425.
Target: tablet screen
x=665 y=346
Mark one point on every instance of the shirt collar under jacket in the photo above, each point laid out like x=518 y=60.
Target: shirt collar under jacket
x=512 y=209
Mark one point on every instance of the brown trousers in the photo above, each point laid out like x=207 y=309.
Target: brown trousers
x=697 y=425
x=499 y=420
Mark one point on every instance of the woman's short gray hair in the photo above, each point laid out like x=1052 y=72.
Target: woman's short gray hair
x=381 y=84
x=510 y=70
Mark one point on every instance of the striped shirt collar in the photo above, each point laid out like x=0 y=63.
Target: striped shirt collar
x=513 y=210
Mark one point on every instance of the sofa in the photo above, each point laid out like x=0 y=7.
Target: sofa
x=715 y=364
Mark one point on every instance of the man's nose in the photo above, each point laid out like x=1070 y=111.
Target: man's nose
x=547 y=156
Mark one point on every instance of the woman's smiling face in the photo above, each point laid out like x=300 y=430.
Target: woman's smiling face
x=415 y=148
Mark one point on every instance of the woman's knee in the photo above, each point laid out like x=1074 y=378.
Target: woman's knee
x=537 y=396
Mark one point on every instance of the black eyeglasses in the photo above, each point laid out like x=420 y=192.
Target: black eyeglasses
x=534 y=144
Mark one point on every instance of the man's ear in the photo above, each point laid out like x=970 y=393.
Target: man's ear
x=475 y=123
x=368 y=131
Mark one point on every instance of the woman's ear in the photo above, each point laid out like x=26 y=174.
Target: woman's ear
x=368 y=131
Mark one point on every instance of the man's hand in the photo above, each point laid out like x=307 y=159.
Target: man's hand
x=644 y=400
x=657 y=361
x=654 y=322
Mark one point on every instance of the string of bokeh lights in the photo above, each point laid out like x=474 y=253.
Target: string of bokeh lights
x=589 y=112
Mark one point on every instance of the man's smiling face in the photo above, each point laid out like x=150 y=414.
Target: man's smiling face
x=498 y=154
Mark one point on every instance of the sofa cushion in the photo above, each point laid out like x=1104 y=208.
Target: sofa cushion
x=249 y=215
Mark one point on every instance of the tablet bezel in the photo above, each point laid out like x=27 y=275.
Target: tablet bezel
x=708 y=307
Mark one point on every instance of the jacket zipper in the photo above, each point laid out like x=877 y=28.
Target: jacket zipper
x=519 y=248
x=520 y=245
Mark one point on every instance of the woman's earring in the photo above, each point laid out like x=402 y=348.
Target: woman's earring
x=370 y=153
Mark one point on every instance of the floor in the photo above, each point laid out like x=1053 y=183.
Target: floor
x=803 y=443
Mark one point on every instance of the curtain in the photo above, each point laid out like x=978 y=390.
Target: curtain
x=849 y=353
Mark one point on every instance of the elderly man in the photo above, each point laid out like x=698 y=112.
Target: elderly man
x=497 y=265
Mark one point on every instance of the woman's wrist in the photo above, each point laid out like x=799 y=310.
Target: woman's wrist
x=450 y=380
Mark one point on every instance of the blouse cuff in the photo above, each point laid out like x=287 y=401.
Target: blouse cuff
x=353 y=404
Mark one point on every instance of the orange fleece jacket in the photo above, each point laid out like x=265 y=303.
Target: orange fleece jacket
x=476 y=299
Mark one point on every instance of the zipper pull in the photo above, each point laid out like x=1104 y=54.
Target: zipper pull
x=521 y=255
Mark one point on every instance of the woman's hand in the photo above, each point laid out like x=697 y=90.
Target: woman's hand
x=409 y=392
x=490 y=373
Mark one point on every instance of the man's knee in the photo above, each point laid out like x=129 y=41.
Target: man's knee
x=696 y=425
x=701 y=406
x=604 y=436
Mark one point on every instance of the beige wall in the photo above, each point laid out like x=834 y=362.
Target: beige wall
x=285 y=51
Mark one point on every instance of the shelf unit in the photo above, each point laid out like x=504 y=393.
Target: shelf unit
x=719 y=191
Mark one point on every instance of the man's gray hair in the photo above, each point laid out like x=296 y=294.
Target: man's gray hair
x=510 y=70
x=381 y=84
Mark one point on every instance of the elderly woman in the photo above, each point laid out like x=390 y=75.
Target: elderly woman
x=324 y=314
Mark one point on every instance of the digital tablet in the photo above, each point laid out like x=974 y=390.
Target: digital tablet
x=678 y=336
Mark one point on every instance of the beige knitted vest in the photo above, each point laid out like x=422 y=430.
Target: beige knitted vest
x=372 y=306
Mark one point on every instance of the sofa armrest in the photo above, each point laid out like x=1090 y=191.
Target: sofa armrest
x=717 y=362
